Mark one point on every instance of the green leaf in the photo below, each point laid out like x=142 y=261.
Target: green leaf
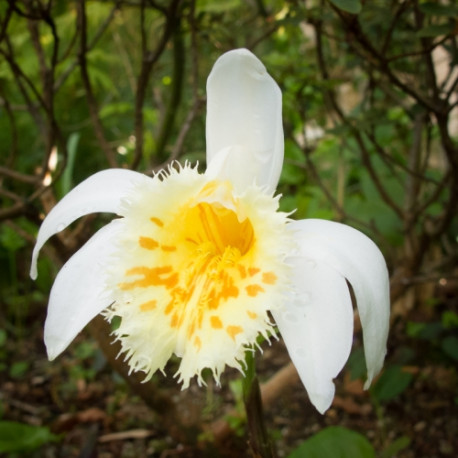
x=367 y=204
x=437 y=9
x=335 y=442
x=426 y=331
x=10 y=239
x=288 y=204
x=436 y=30
x=449 y=319
x=350 y=6
x=85 y=350
x=450 y=347
x=391 y=384
x=210 y=6
x=356 y=364
x=395 y=447
x=67 y=175
x=19 y=437
x=115 y=109
x=291 y=173
x=18 y=369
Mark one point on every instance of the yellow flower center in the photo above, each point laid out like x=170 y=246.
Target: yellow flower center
x=200 y=275
x=217 y=227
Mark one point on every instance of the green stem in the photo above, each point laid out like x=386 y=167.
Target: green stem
x=260 y=443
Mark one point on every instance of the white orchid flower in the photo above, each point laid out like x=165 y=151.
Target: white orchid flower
x=198 y=261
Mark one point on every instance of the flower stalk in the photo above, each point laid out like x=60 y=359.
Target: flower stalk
x=260 y=443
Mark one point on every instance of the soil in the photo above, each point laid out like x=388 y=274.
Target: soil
x=94 y=413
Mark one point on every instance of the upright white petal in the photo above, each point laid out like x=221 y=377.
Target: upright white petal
x=317 y=327
x=78 y=293
x=359 y=260
x=244 y=119
x=101 y=192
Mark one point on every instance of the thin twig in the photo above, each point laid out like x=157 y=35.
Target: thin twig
x=15 y=175
x=91 y=101
x=174 y=100
x=365 y=157
x=149 y=59
x=97 y=35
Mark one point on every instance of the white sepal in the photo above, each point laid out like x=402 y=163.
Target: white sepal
x=358 y=259
x=101 y=192
x=317 y=326
x=79 y=291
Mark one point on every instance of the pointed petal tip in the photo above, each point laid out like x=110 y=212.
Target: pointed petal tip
x=51 y=356
x=373 y=372
x=54 y=346
x=33 y=265
x=317 y=327
x=367 y=383
x=33 y=271
x=322 y=405
x=323 y=397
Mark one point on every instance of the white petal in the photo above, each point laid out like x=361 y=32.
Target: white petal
x=78 y=293
x=359 y=260
x=317 y=327
x=101 y=192
x=244 y=114
x=230 y=164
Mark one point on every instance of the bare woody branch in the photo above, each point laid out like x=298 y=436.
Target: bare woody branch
x=91 y=100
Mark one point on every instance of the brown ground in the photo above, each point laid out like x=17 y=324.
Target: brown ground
x=79 y=397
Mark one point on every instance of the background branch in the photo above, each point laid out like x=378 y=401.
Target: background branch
x=91 y=101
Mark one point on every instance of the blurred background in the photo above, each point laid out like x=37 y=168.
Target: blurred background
x=370 y=113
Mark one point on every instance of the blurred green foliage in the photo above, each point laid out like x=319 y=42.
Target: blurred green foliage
x=22 y=438
x=335 y=442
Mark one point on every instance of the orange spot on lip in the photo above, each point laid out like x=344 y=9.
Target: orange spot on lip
x=215 y=322
x=252 y=271
x=254 y=290
x=269 y=278
x=147 y=243
x=168 y=248
x=222 y=290
x=251 y=314
x=157 y=221
x=197 y=343
x=242 y=271
x=147 y=306
x=154 y=276
x=169 y=308
x=191 y=329
x=234 y=330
